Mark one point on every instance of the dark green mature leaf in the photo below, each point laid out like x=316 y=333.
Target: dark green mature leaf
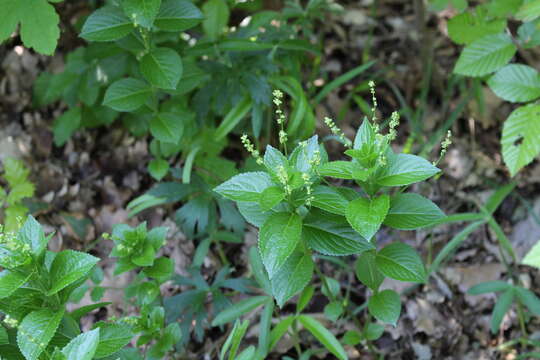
x=329 y=199
x=367 y=215
x=323 y=335
x=529 y=299
x=178 y=15
x=83 y=347
x=142 y=12
x=516 y=83
x=485 y=55
x=520 y=135
x=106 y=24
x=127 y=94
x=233 y=312
x=167 y=127
x=11 y=281
x=278 y=238
x=69 y=266
x=65 y=125
x=216 y=13
x=501 y=307
x=331 y=235
x=112 y=338
x=488 y=287
x=292 y=277
x=373 y=331
x=405 y=169
x=162 y=67
x=36 y=330
x=337 y=169
x=270 y=197
x=411 y=211
x=245 y=187
x=401 y=262
x=385 y=306
x=367 y=271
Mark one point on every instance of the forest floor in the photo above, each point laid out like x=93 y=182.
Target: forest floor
x=83 y=187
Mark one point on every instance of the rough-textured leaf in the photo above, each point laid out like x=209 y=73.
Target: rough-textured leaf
x=329 y=199
x=167 y=127
x=69 y=266
x=142 y=12
x=324 y=336
x=411 y=211
x=83 y=347
x=533 y=256
x=485 y=55
x=270 y=197
x=520 y=135
x=278 y=238
x=337 y=169
x=385 y=306
x=127 y=94
x=162 y=67
x=367 y=271
x=112 y=337
x=405 y=169
x=293 y=276
x=401 y=262
x=36 y=330
x=106 y=24
x=233 y=312
x=367 y=215
x=245 y=187
x=11 y=281
x=177 y=15
x=516 y=83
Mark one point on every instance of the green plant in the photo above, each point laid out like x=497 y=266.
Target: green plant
x=490 y=45
x=19 y=188
x=299 y=214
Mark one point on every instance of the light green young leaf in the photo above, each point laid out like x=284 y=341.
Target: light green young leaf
x=329 y=199
x=501 y=307
x=323 y=335
x=216 y=13
x=112 y=338
x=270 y=197
x=83 y=347
x=273 y=159
x=529 y=11
x=127 y=94
x=106 y=24
x=533 y=256
x=234 y=339
x=516 y=83
x=238 y=309
x=279 y=330
x=245 y=187
x=367 y=215
x=15 y=172
x=36 y=330
x=485 y=55
x=468 y=27
x=405 y=169
x=39 y=23
x=401 y=262
x=411 y=211
x=162 y=67
x=19 y=192
x=337 y=169
x=177 y=15
x=158 y=168
x=162 y=269
x=31 y=233
x=365 y=135
x=367 y=271
x=333 y=310
x=167 y=127
x=69 y=266
x=385 y=306
x=65 y=125
x=11 y=281
x=278 y=238
x=304 y=298
x=142 y=12
x=520 y=135
x=247 y=354
x=292 y=277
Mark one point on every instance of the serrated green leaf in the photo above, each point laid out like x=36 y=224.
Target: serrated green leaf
x=367 y=215
x=127 y=94
x=278 y=238
x=15 y=172
x=520 y=135
x=36 y=331
x=83 y=347
x=501 y=307
x=69 y=266
x=167 y=127
x=216 y=13
x=112 y=338
x=516 y=83
x=11 y=281
x=65 y=125
x=142 y=12
x=329 y=199
x=106 y=24
x=485 y=55
x=31 y=233
x=292 y=277
x=19 y=192
x=385 y=306
x=178 y=15
x=533 y=256
x=233 y=312
x=162 y=67
x=245 y=187
x=411 y=211
x=367 y=271
x=529 y=11
x=270 y=197
x=324 y=336
x=400 y=261
x=405 y=169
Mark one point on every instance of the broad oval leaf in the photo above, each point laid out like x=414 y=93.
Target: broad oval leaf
x=69 y=266
x=400 y=261
x=385 y=306
x=278 y=238
x=293 y=276
x=162 y=67
x=467 y=27
x=323 y=335
x=529 y=11
x=367 y=215
x=367 y=271
x=106 y=24
x=245 y=187
x=520 y=135
x=167 y=127
x=238 y=309
x=83 y=347
x=112 y=338
x=485 y=55
x=411 y=211
x=516 y=83
x=142 y=12
x=405 y=169
x=36 y=331
x=127 y=94
x=178 y=15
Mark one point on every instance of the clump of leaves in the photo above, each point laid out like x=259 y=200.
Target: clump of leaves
x=18 y=188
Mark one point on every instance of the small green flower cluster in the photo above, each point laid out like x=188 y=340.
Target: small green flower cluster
x=251 y=149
